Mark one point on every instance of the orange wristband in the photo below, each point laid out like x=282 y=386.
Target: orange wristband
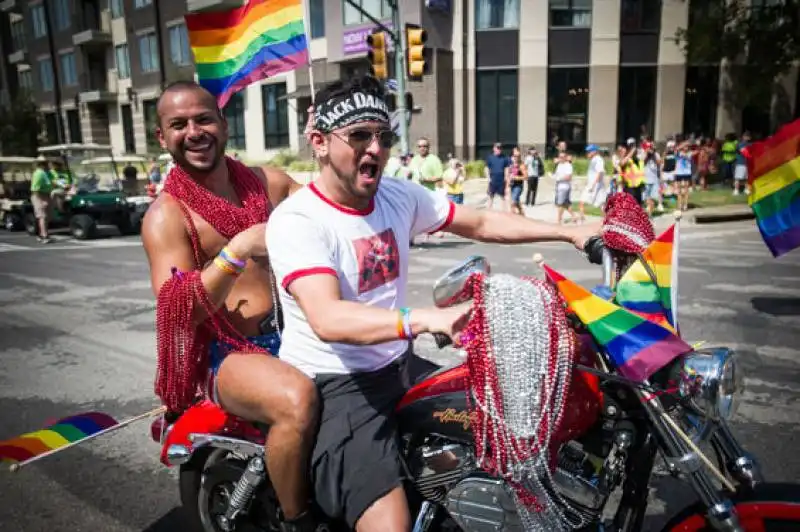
x=401 y=332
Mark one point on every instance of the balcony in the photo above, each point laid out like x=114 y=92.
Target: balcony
x=194 y=6
x=92 y=37
x=18 y=57
x=98 y=87
x=10 y=6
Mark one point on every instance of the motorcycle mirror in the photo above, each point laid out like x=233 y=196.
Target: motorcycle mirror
x=448 y=290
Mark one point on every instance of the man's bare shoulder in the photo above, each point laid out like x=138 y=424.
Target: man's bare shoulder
x=280 y=184
x=163 y=222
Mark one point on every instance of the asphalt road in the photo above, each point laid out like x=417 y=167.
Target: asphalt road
x=76 y=334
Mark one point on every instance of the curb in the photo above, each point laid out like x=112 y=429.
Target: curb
x=721 y=217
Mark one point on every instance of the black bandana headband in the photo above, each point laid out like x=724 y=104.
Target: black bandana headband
x=348 y=109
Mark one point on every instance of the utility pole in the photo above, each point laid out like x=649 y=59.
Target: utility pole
x=397 y=34
x=56 y=79
x=400 y=75
x=162 y=70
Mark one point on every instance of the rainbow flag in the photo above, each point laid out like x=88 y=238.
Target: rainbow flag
x=637 y=346
x=233 y=49
x=654 y=300
x=774 y=177
x=59 y=434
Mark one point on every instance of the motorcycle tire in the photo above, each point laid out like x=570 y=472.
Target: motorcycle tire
x=773 y=507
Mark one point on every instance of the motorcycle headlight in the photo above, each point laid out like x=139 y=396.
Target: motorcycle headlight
x=712 y=380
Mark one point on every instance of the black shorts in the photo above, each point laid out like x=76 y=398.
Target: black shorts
x=356 y=459
x=496 y=188
x=684 y=177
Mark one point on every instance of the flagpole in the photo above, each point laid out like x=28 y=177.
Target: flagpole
x=307 y=29
x=674 y=271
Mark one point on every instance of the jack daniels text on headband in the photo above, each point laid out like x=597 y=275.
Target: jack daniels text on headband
x=347 y=109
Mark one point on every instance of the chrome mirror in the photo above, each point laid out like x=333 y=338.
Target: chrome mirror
x=448 y=290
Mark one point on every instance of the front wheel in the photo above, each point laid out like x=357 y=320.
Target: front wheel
x=769 y=508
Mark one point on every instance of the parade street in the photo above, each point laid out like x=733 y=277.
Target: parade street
x=77 y=335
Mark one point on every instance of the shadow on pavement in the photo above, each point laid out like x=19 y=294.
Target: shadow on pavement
x=777 y=306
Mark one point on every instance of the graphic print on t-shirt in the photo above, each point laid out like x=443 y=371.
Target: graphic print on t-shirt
x=378 y=260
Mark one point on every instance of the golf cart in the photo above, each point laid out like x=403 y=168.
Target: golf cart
x=96 y=197
x=134 y=186
x=15 y=190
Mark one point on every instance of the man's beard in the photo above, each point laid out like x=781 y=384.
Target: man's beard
x=349 y=182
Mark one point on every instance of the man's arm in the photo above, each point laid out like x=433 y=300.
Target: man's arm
x=335 y=320
x=280 y=185
x=167 y=245
x=506 y=228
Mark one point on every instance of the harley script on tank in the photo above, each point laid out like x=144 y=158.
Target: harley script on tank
x=451 y=415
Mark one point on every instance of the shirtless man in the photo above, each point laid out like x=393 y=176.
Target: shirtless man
x=205 y=241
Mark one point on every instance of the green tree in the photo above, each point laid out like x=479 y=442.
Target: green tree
x=20 y=125
x=756 y=40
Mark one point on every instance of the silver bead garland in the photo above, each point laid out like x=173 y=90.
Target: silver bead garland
x=519 y=338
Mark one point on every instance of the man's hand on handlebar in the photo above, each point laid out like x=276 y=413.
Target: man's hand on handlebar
x=581 y=234
x=444 y=322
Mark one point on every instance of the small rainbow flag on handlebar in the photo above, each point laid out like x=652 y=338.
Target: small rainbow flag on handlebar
x=649 y=288
x=774 y=177
x=637 y=346
x=59 y=434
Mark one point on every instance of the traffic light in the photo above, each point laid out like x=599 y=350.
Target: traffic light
x=391 y=102
x=377 y=54
x=415 y=60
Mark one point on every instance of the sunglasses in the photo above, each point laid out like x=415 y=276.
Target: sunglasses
x=360 y=138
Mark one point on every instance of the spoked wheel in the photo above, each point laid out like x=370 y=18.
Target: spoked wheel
x=206 y=490
x=770 y=508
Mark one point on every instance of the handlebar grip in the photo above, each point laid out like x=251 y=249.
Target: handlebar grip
x=442 y=340
x=594 y=250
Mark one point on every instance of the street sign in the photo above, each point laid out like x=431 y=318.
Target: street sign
x=395 y=121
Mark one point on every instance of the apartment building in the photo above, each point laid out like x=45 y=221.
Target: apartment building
x=520 y=72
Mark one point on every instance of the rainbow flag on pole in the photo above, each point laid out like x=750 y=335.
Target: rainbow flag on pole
x=774 y=177
x=233 y=49
x=637 y=346
x=59 y=434
x=656 y=300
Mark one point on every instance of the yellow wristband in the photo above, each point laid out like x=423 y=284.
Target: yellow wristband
x=226 y=267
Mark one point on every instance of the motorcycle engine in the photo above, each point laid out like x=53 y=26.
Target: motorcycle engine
x=438 y=465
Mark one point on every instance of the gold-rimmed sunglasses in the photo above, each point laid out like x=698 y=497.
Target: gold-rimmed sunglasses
x=360 y=138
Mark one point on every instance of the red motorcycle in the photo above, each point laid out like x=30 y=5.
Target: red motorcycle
x=610 y=437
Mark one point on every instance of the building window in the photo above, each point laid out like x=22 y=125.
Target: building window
x=26 y=79
x=234 y=114
x=51 y=128
x=148 y=52
x=123 y=61
x=61 y=17
x=117 y=8
x=276 y=116
x=640 y=16
x=637 y=101
x=571 y=13
x=700 y=100
x=149 y=110
x=380 y=9
x=568 y=105
x=18 y=35
x=496 y=109
x=141 y=3
x=46 y=74
x=317 y=16
x=74 y=126
x=496 y=14
x=39 y=22
x=127 y=128
x=179 y=50
x=69 y=74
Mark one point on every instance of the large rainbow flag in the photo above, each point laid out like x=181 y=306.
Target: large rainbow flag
x=774 y=177
x=57 y=435
x=637 y=346
x=235 y=48
x=654 y=299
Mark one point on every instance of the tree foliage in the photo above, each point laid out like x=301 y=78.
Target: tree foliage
x=759 y=39
x=20 y=125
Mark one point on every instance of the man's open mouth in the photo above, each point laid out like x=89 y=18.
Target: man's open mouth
x=368 y=170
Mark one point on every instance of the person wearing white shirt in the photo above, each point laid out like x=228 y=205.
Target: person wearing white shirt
x=594 y=191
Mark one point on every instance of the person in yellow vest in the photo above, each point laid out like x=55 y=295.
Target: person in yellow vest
x=728 y=155
x=63 y=184
x=633 y=174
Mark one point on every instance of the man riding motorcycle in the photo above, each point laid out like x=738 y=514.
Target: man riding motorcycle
x=204 y=238
x=339 y=249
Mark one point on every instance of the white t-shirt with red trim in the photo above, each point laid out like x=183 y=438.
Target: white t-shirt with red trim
x=367 y=251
